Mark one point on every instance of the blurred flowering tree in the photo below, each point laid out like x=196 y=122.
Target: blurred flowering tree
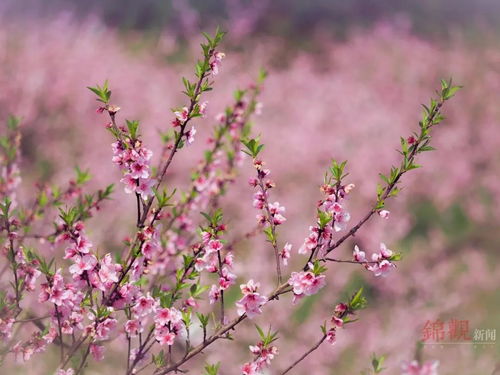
x=163 y=294
x=296 y=21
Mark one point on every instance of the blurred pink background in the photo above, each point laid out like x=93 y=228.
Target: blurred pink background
x=346 y=97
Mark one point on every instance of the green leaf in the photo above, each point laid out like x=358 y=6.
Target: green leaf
x=159 y=359
x=69 y=216
x=357 y=301
x=395 y=257
x=452 y=91
x=5 y=207
x=426 y=148
x=262 y=335
x=318 y=268
x=203 y=319
x=394 y=192
x=212 y=369
x=199 y=290
x=268 y=231
x=377 y=363
x=133 y=127
x=253 y=147
x=106 y=193
x=324 y=218
x=337 y=170
x=103 y=93
x=208 y=37
x=384 y=178
x=82 y=176
x=262 y=75
x=413 y=166
x=13 y=122
x=267 y=338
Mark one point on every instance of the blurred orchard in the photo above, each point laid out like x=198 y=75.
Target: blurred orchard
x=345 y=95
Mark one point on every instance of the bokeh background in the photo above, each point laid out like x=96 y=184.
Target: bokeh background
x=345 y=81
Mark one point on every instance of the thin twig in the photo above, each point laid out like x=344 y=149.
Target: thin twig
x=60 y=332
x=178 y=141
x=285 y=288
x=347 y=261
x=221 y=332
x=303 y=356
x=84 y=360
x=269 y=219
x=222 y=291
x=389 y=188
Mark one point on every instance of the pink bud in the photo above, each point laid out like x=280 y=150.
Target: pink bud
x=384 y=214
x=348 y=188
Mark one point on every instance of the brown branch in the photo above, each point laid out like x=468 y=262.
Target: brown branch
x=218 y=143
x=390 y=187
x=219 y=258
x=347 y=261
x=285 y=288
x=72 y=351
x=221 y=332
x=84 y=360
x=193 y=102
x=303 y=356
x=270 y=220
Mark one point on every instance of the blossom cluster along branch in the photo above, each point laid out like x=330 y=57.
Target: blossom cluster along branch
x=175 y=260
x=431 y=117
x=410 y=148
x=233 y=124
x=272 y=216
